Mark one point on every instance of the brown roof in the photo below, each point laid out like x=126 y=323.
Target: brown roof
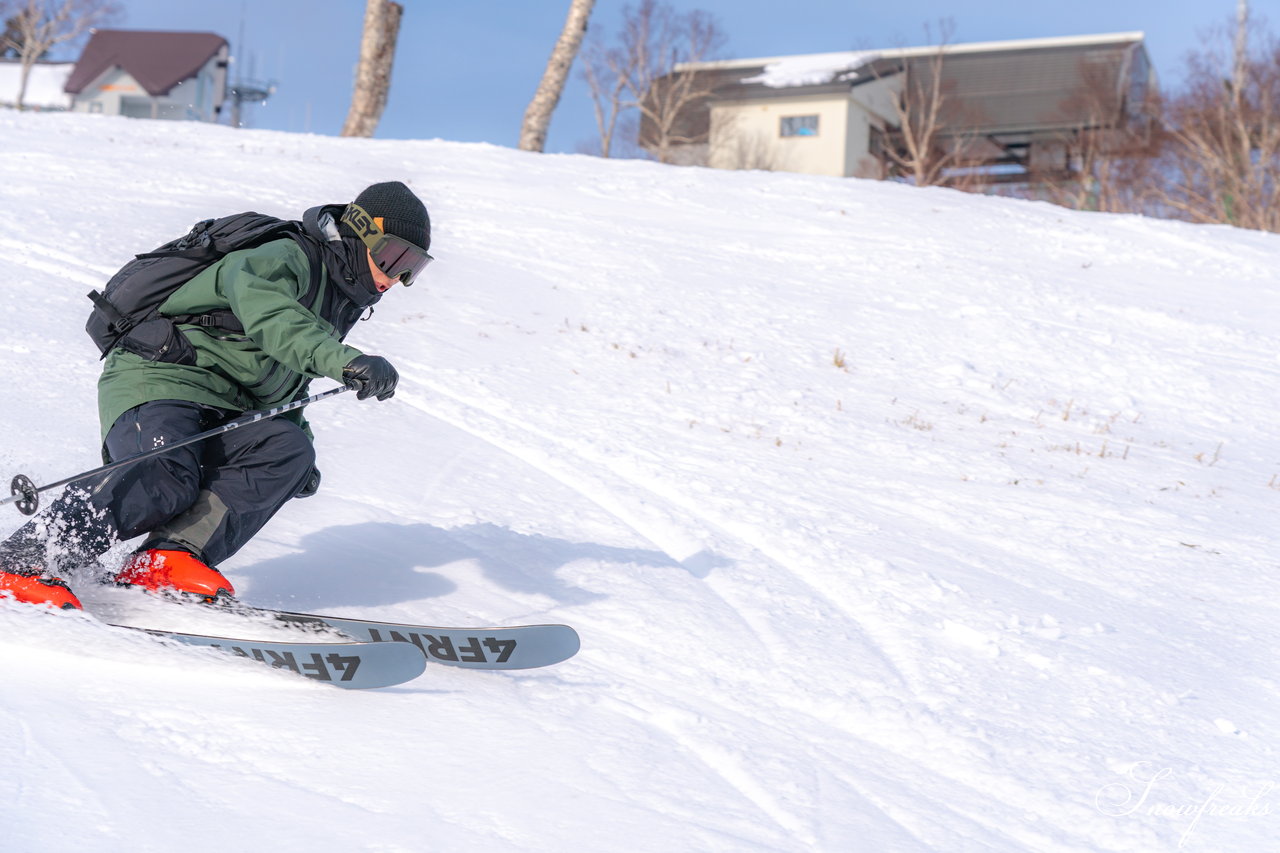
x=157 y=60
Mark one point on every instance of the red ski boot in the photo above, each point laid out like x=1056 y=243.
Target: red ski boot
x=162 y=570
x=37 y=588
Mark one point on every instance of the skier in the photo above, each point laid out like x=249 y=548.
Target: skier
x=201 y=503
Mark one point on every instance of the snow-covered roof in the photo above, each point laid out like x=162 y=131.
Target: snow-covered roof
x=813 y=69
x=44 y=86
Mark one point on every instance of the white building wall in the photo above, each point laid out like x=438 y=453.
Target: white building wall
x=748 y=135
x=870 y=106
x=192 y=99
x=104 y=94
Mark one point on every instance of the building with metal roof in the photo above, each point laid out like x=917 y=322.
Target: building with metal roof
x=1011 y=104
x=151 y=74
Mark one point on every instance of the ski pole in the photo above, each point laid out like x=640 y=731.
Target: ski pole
x=26 y=494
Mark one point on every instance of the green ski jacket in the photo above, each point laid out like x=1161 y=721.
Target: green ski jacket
x=283 y=347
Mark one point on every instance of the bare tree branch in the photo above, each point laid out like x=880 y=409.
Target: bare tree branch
x=606 y=71
x=929 y=140
x=1108 y=161
x=656 y=40
x=38 y=26
x=1222 y=163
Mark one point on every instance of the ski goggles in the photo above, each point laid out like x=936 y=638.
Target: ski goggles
x=395 y=256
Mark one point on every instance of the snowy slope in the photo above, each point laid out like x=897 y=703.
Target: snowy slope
x=891 y=519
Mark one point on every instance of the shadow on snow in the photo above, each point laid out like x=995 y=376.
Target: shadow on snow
x=380 y=563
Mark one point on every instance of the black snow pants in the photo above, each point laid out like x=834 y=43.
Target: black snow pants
x=209 y=498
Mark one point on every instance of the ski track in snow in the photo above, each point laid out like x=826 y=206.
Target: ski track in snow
x=687 y=547
x=890 y=519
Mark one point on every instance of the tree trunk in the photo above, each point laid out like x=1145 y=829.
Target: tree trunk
x=1241 y=48
x=373 y=77
x=23 y=76
x=537 y=118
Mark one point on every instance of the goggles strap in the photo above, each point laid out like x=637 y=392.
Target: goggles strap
x=358 y=220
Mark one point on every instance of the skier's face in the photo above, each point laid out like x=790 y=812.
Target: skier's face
x=380 y=279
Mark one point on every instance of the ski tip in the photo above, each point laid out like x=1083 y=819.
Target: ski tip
x=388 y=670
x=551 y=644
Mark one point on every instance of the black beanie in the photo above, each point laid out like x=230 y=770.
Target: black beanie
x=402 y=213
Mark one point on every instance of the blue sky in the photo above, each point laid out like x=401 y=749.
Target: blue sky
x=465 y=69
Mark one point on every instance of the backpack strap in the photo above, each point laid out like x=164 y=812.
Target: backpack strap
x=316 y=266
x=118 y=323
x=226 y=320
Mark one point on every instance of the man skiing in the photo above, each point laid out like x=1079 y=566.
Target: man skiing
x=200 y=503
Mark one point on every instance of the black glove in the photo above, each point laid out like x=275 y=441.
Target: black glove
x=371 y=376
x=311 y=486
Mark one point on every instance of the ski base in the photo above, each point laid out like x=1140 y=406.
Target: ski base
x=514 y=647
x=486 y=648
x=348 y=665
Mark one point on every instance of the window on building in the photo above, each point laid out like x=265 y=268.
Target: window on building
x=799 y=126
x=132 y=106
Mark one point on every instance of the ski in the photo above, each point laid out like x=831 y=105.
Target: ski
x=512 y=647
x=492 y=648
x=350 y=665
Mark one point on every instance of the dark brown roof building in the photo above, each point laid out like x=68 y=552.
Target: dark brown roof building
x=151 y=74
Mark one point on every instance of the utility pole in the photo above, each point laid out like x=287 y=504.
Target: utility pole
x=245 y=91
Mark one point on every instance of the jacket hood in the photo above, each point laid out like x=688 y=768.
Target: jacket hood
x=344 y=254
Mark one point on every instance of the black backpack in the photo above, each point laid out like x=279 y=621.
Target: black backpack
x=126 y=312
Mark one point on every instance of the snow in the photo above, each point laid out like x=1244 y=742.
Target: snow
x=891 y=519
x=813 y=69
x=44 y=85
